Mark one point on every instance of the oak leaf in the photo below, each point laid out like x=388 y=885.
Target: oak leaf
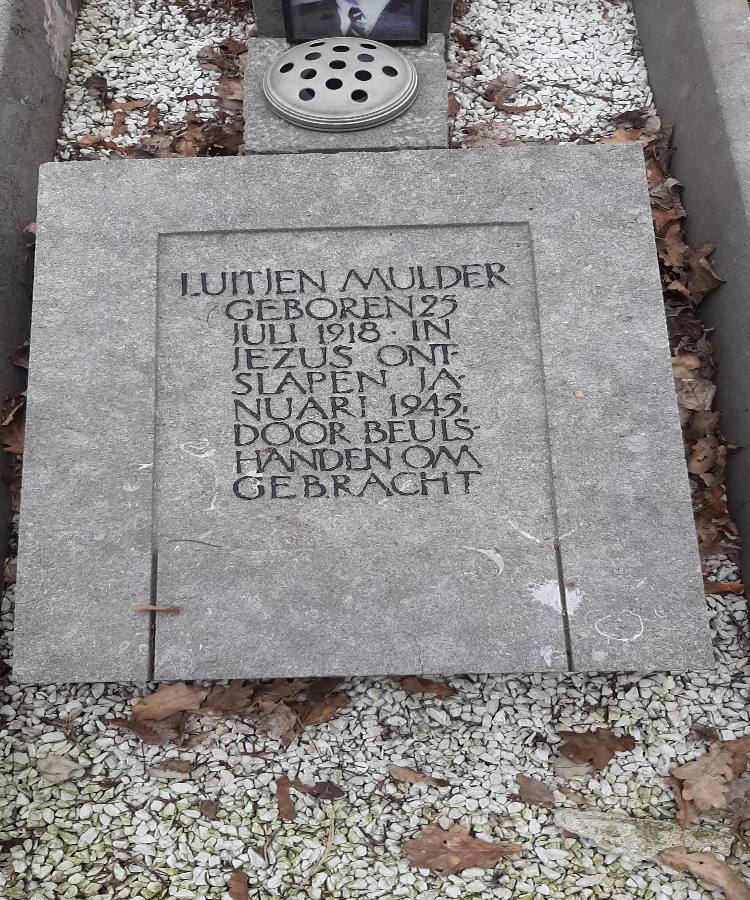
x=454 y=107
x=597 y=747
x=708 y=868
x=449 y=852
x=533 y=791
x=12 y=424
x=169 y=699
x=705 y=782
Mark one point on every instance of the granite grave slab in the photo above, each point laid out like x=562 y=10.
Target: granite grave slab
x=370 y=413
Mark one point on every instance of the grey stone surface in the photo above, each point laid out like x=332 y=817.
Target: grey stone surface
x=423 y=125
x=699 y=68
x=566 y=392
x=639 y=839
x=269 y=16
x=32 y=65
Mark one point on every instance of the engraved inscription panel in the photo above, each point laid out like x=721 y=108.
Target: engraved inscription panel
x=340 y=412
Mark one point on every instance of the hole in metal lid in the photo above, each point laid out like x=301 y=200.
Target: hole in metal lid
x=312 y=56
x=365 y=57
x=333 y=84
x=308 y=73
x=390 y=71
x=359 y=96
x=337 y=64
x=287 y=67
x=363 y=75
x=341 y=48
x=306 y=94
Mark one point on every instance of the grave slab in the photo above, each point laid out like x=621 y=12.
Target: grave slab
x=422 y=126
x=353 y=413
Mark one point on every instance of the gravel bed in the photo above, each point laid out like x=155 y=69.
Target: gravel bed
x=121 y=825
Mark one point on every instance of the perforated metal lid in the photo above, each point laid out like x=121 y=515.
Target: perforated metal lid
x=340 y=84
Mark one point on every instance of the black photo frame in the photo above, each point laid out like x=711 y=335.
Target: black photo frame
x=397 y=22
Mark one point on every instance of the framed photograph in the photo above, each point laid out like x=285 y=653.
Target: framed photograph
x=389 y=21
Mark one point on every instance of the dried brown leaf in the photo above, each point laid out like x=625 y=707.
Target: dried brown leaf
x=502 y=88
x=705 y=783
x=687 y=814
x=13 y=424
x=449 y=852
x=129 y=105
x=209 y=809
x=277 y=721
x=237 y=885
x=413 y=684
x=454 y=107
x=157 y=733
x=234 y=699
x=287 y=812
x=709 y=869
x=154 y=114
x=412 y=776
x=169 y=699
x=723 y=587
x=597 y=746
x=533 y=791
x=318 y=711
x=119 y=124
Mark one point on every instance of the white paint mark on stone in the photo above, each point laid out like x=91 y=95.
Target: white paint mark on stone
x=624 y=626
x=493 y=555
x=199 y=449
x=523 y=533
x=574 y=597
x=547 y=593
x=546 y=654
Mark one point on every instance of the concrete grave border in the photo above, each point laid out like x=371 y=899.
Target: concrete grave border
x=698 y=58
x=86 y=527
x=35 y=38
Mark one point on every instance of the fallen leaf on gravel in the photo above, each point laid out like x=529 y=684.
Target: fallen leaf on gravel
x=233 y=47
x=277 y=721
x=287 y=812
x=511 y=110
x=119 y=124
x=157 y=733
x=533 y=791
x=129 y=105
x=234 y=699
x=154 y=114
x=454 y=107
x=686 y=812
x=322 y=790
x=237 y=886
x=209 y=809
x=449 y=852
x=723 y=587
x=169 y=699
x=316 y=712
x=177 y=765
x=704 y=782
x=597 y=746
x=57 y=769
x=709 y=869
x=96 y=85
x=413 y=684
x=412 y=776
x=501 y=89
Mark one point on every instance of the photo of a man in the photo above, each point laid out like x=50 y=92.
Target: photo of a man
x=390 y=21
